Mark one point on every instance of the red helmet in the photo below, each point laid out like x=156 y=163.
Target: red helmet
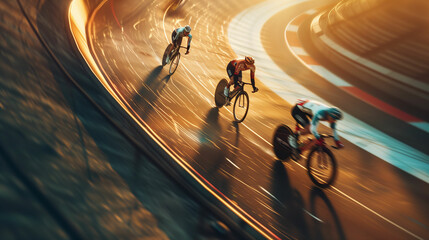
x=249 y=60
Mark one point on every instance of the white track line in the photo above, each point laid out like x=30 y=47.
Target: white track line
x=408 y=159
x=245 y=40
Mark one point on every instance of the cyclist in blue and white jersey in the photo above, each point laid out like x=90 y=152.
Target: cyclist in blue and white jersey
x=304 y=110
x=178 y=34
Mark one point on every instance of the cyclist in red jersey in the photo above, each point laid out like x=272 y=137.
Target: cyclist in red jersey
x=234 y=69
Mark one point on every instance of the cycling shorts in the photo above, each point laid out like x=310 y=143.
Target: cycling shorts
x=230 y=69
x=178 y=40
x=301 y=117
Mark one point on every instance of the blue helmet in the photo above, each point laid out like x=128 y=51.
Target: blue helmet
x=335 y=113
x=187 y=28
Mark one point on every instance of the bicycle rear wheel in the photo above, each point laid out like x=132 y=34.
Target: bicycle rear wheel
x=219 y=97
x=241 y=107
x=322 y=167
x=166 y=53
x=282 y=150
x=174 y=63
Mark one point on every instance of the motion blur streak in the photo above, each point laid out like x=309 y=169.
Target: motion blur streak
x=376 y=213
x=353 y=128
x=236 y=162
x=78 y=11
x=387 y=148
x=205 y=88
x=77 y=7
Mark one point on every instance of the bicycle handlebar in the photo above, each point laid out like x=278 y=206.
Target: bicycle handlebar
x=329 y=136
x=246 y=83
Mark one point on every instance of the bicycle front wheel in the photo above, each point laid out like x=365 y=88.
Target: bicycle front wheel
x=174 y=63
x=322 y=167
x=241 y=106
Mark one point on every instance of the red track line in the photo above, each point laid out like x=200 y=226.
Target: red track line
x=114 y=14
x=387 y=108
x=294 y=41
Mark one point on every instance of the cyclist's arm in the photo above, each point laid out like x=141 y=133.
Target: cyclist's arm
x=315 y=123
x=252 y=75
x=237 y=69
x=189 y=42
x=334 y=131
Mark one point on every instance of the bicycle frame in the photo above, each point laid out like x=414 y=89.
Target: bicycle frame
x=174 y=52
x=174 y=59
x=236 y=91
x=320 y=161
x=313 y=143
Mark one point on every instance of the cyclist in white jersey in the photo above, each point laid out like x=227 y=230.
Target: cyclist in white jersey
x=304 y=110
x=178 y=34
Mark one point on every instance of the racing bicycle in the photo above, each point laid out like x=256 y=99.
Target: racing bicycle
x=171 y=56
x=321 y=162
x=241 y=104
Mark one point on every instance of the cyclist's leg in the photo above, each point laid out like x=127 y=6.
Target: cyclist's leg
x=173 y=35
x=179 y=42
x=230 y=71
x=306 y=128
x=237 y=81
x=234 y=79
x=302 y=119
x=174 y=42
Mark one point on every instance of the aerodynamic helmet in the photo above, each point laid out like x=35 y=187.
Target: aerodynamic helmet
x=187 y=28
x=335 y=113
x=249 y=60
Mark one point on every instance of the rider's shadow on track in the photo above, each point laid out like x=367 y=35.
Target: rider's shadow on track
x=297 y=221
x=319 y=228
x=212 y=152
x=153 y=85
x=289 y=204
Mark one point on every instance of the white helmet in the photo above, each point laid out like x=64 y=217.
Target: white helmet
x=335 y=113
x=187 y=28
